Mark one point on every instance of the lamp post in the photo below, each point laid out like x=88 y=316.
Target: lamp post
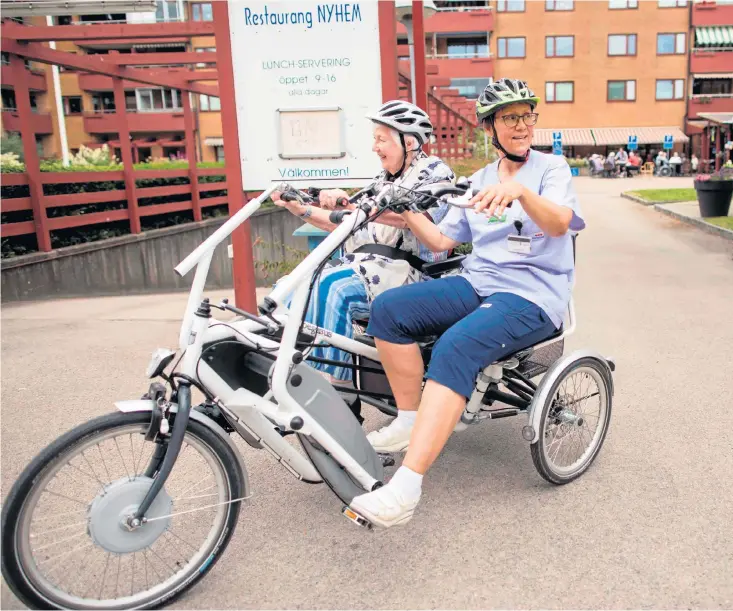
x=406 y=14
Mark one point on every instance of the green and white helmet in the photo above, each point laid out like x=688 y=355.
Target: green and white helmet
x=502 y=93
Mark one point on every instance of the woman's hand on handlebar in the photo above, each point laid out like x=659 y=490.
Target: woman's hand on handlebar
x=495 y=199
x=292 y=206
x=330 y=199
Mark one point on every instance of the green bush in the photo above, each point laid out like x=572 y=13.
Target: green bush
x=12 y=143
x=18 y=245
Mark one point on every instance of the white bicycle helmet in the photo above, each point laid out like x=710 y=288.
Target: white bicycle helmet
x=407 y=119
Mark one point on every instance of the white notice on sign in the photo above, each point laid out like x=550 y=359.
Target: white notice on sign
x=311 y=133
x=305 y=76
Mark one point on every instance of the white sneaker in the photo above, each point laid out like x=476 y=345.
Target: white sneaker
x=395 y=437
x=384 y=507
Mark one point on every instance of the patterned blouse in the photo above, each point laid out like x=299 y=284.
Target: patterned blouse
x=381 y=273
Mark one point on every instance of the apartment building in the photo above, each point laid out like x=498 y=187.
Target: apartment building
x=155 y=114
x=605 y=70
x=710 y=103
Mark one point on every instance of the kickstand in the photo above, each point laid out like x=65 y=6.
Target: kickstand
x=387 y=459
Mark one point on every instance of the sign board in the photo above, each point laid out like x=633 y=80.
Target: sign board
x=305 y=76
x=668 y=142
x=633 y=144
x=557 y=143
x=310 y=133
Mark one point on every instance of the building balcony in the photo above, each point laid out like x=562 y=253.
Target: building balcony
x=710 y=13
x=106 y=122
x=711 y=60
x=721 y=102
x=457 y=17
x=36 y=78
x=457 y=66
x=42 y=123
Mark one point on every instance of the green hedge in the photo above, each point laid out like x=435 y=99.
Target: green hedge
x=19 y=245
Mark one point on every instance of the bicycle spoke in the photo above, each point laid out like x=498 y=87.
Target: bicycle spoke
x=45 y=532
x=68 y=498
x=104 y=462
x=122 y=459
x=38 y=549
x=104 y=575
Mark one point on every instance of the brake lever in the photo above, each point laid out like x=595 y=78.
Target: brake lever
x=271 y=327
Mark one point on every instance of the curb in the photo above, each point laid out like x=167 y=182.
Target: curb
x=699 y=223
x=647 y=202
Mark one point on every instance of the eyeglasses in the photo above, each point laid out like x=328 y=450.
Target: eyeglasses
x=529 y=119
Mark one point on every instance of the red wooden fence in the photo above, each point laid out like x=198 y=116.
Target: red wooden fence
x=132 y=214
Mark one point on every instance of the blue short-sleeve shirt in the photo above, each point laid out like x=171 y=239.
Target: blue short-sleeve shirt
x=544 y=276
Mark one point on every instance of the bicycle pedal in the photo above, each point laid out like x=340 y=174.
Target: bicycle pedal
x=387 y=460
x=356 y=518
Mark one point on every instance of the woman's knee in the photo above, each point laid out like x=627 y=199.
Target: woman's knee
x=452 y=365
x=386 y=318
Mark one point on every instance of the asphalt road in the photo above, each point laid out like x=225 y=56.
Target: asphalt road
x=648 y=526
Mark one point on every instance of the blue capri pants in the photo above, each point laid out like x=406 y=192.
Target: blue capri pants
x=474 y=331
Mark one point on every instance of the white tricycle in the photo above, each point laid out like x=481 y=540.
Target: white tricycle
x=131 y=509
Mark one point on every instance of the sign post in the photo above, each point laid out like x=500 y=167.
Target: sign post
x=668 y=142
x=557 y=143
x=633 y=144
x=305 y=76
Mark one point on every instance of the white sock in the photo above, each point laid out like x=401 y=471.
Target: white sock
x=407 y=483
x=407 y=417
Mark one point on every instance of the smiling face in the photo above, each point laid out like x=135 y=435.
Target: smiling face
x=517 y=139
x=389 y=150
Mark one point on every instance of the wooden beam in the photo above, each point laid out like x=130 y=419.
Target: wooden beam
x=243 y=269
x=103 y=31
x=96 y=64
x=151 y=59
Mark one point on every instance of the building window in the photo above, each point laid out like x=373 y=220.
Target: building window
x=712 y=86
x=166 y=10
x=72 y=105
x=511 y=47
x=468 y=47
x=559 y=46
x=205 y=50
x=219 y=153
x=5 y=58
x=670 y=89
x=671 y=44
x=209 y=103
x=9 y=103
x=155 y=100
x=470 y=88
x=672 y=3
x=202 y=12
x=622 y=44
x=622 y=4
x=510 y=6
x=62 y=20
x=144 y=153
x=559 y=5
x=103 y=102
x=559 y=92
x=621 y=91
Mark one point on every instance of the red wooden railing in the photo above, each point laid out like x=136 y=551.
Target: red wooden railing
x=453 y=120
x=132 y=214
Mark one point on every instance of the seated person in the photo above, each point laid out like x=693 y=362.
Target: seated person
x=633 y=164
x=346 y=290
x=512 y=293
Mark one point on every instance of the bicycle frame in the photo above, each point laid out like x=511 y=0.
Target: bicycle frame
x=253 y=413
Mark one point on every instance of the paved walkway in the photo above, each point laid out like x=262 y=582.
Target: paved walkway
x=647 y=526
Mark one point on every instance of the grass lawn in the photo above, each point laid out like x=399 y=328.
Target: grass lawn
x=666 y=195
x=721 y=221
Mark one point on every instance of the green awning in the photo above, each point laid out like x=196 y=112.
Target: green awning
x=715 y=36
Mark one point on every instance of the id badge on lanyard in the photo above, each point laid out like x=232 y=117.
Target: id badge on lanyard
x=519 y=244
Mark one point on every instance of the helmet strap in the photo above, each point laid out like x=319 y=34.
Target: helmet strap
x=404 y=157
x=497 y=144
